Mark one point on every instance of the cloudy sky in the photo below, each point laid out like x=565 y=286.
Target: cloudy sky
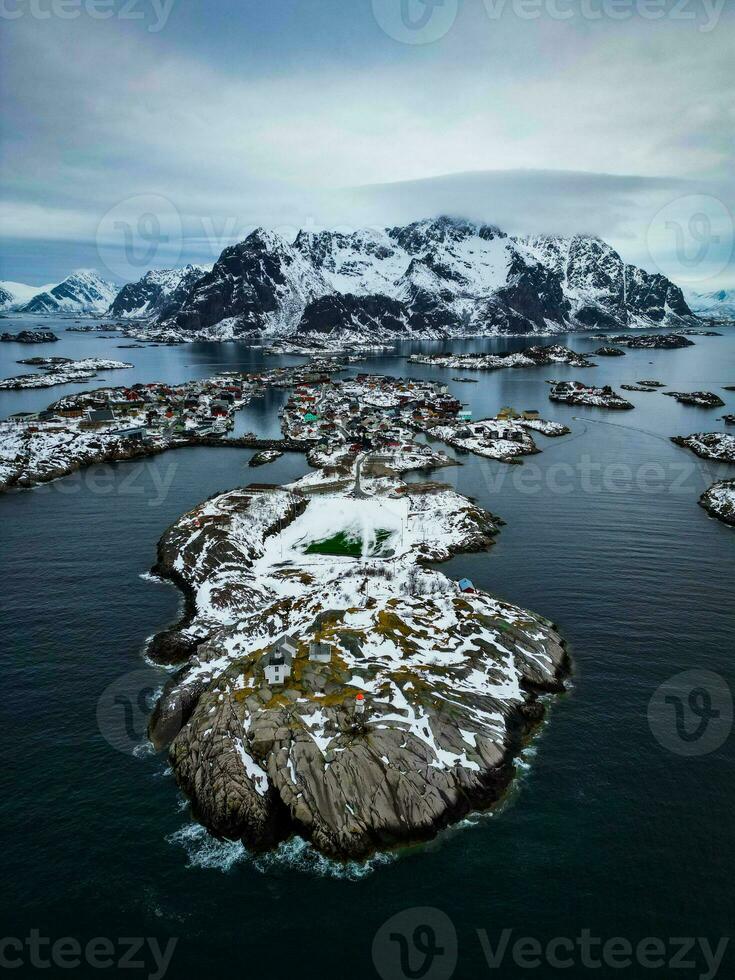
x=152 y=132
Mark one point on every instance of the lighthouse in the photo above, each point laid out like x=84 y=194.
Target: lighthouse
x=360 y=705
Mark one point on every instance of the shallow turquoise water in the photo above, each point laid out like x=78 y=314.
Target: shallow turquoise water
x=606 y=830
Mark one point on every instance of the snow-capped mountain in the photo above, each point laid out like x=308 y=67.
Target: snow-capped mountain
x=82 y=292
x=159 y=293
x=432 y=278
x=14 y=294
x=718 y=304
x=264 y=283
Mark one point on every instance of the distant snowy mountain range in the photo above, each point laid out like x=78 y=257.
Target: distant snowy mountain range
x=82 y=292
x=718 y=304
x=158 y=293
x=434 y=278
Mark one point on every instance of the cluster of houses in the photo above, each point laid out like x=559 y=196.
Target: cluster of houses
x=146 y=411
x=367 y=412
x=278 y=665
x=157 y=411
x=279 y=659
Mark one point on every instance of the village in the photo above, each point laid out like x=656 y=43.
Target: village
x=377 y=414
x=336 y=421
x=160 y=413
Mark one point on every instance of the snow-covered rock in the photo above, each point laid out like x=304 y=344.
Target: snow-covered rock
x=61 y=371
x=82 y=292
x=719 y=501
x=653 y=341
x=719 y=446
x=530 y=357
x=701 y=399
x=576 y=393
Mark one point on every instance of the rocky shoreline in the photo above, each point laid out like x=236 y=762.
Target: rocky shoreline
x=448 y=679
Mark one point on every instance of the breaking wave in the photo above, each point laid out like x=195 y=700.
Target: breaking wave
x=295 y=855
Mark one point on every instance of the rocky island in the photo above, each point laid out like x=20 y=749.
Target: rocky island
x=61 y=371
x=718 y=446
x=265 y=456
x=652 y=341
x=537 y=356
x=719 y=501
x=701 y=399
x=504 y=438
x=609 y=352
x=333 y=687
x=30 y=337
x=576 y=393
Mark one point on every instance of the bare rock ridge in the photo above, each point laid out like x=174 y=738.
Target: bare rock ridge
x=405 y=698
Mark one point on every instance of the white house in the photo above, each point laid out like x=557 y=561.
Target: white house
x=277 y=667
x=320 y=653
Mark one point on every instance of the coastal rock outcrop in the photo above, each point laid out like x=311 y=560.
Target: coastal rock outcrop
x=719 y=446
x=701 y=399
x=405 y=697
x=576 y=393
x=719 y=501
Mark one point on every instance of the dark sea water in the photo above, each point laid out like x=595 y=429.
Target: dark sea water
x=607 y=829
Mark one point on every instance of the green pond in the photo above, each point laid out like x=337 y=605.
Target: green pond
x=348 y=544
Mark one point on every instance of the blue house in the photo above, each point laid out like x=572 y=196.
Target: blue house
x=466 y=585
